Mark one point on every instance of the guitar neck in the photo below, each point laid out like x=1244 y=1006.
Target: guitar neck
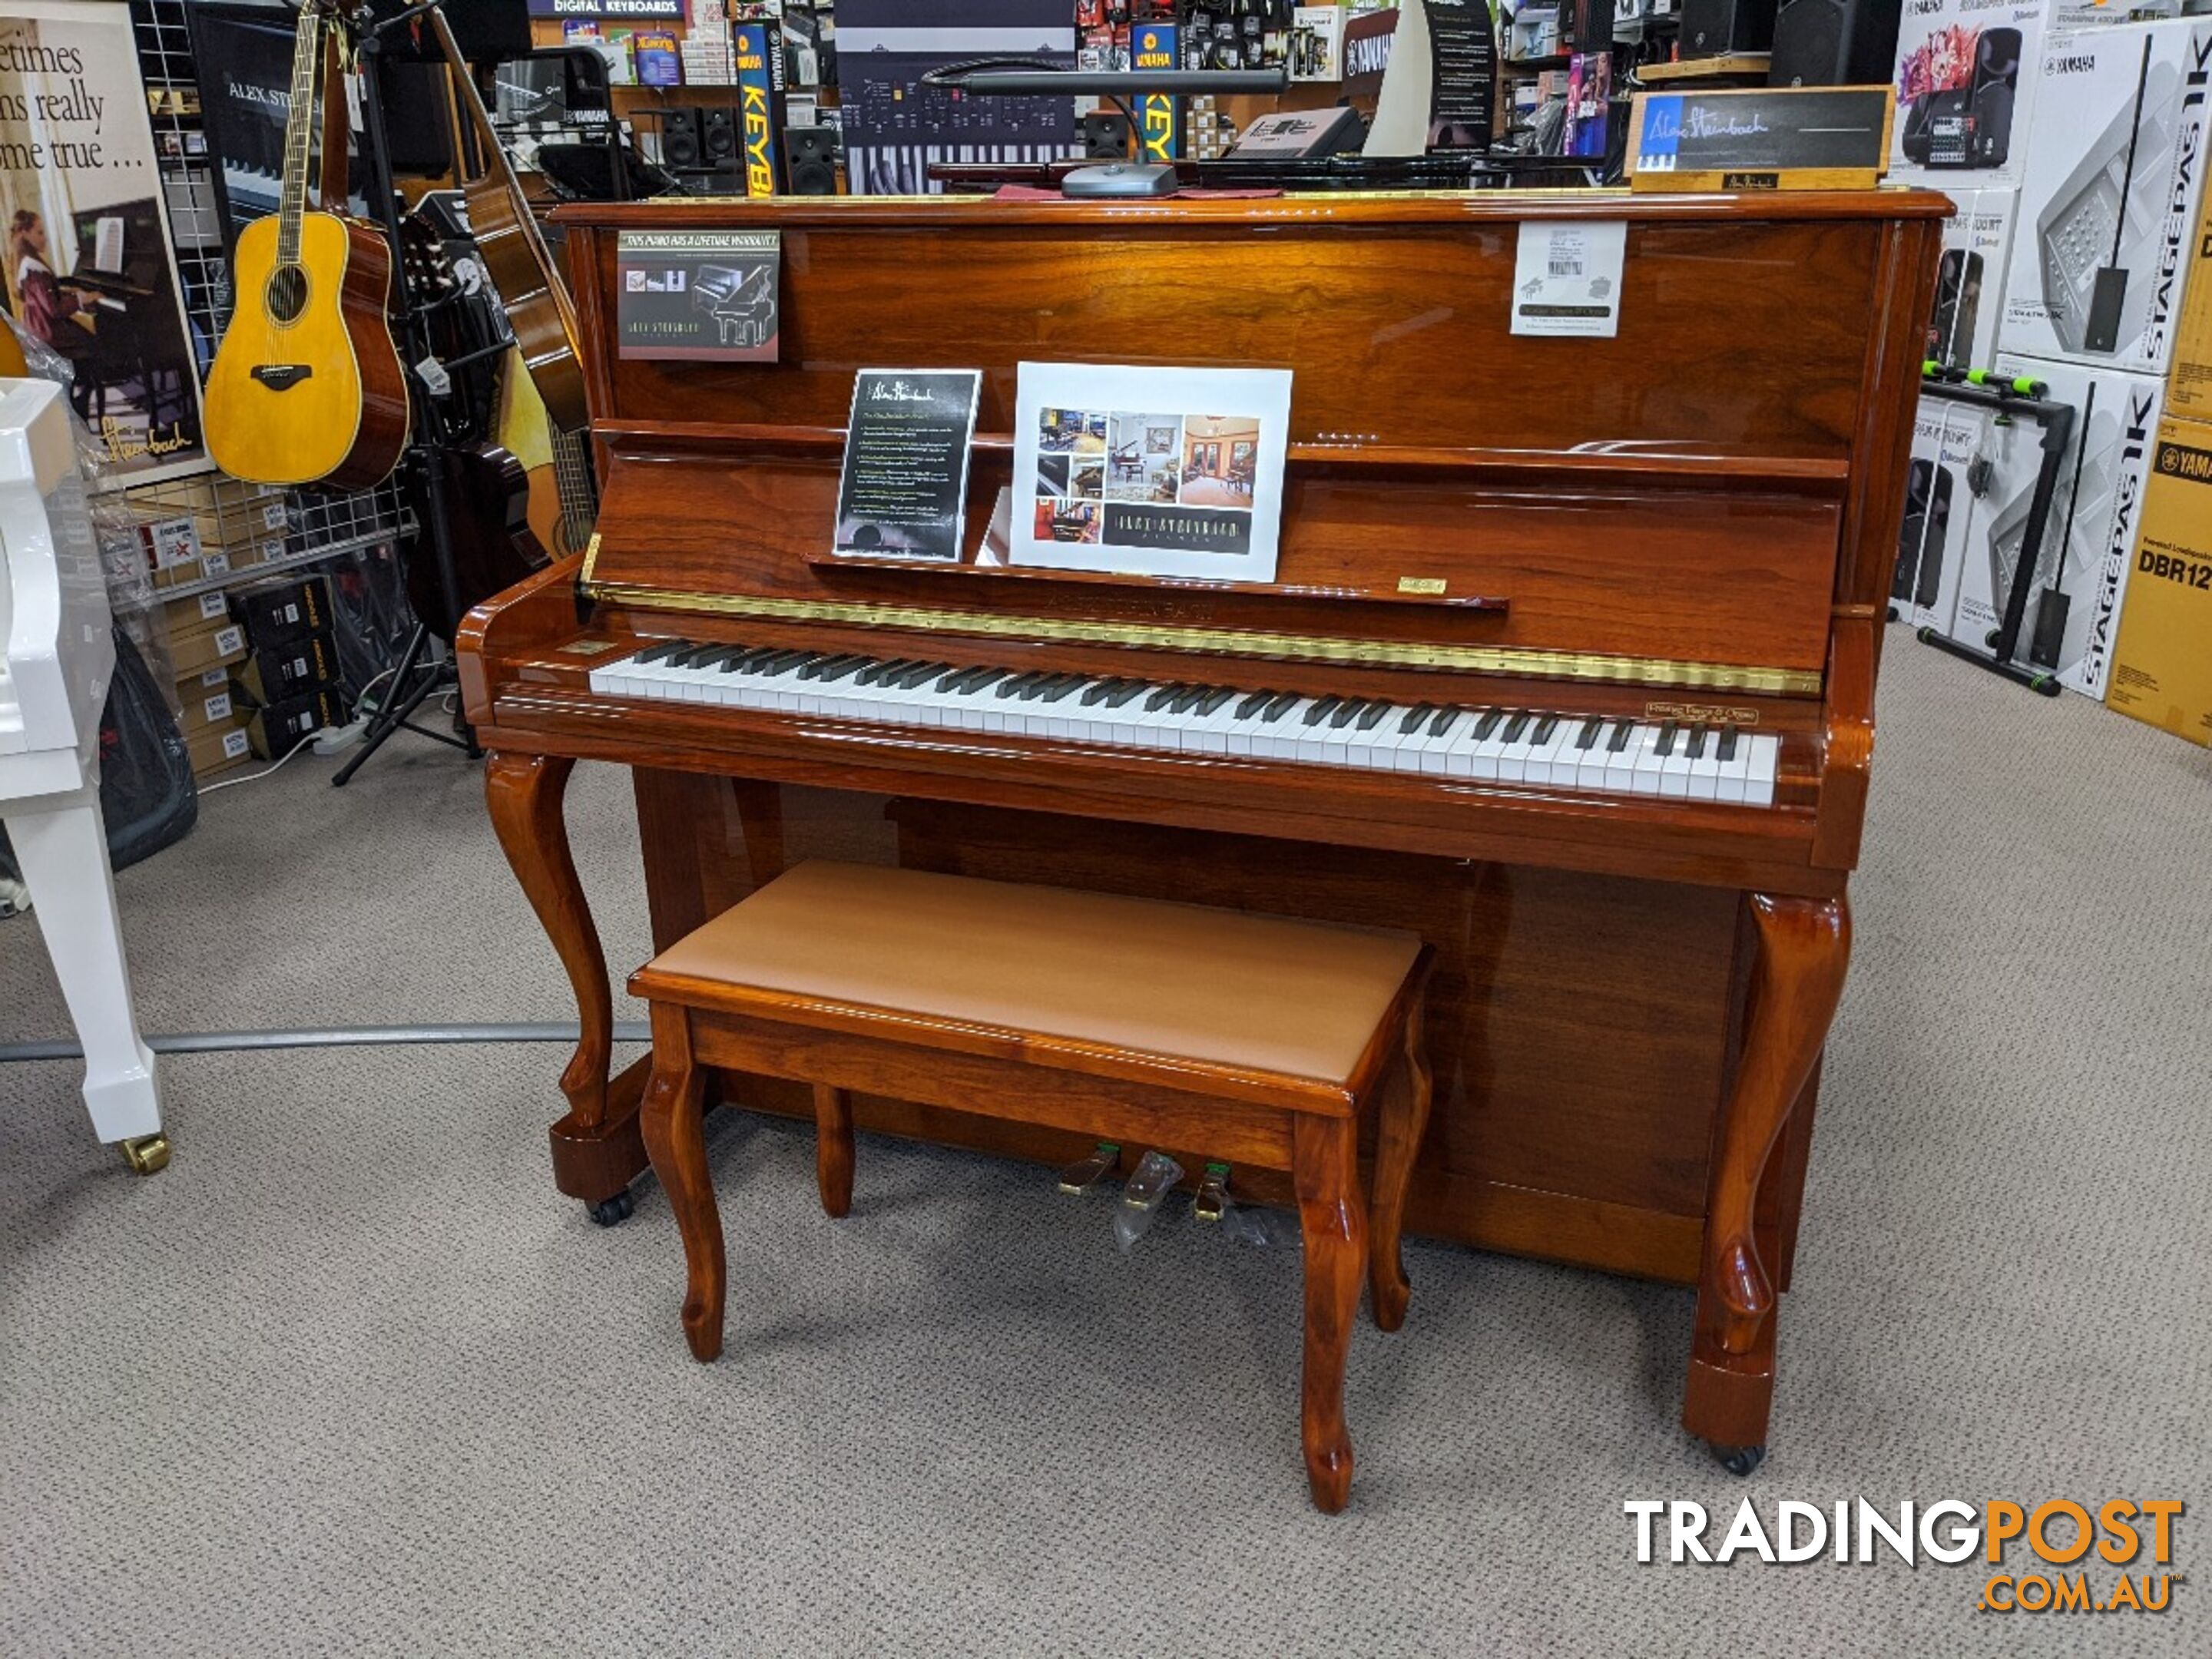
x=299 y=133
x=579 y=490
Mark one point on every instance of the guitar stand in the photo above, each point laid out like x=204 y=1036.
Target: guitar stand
x=2025 y=396
x=420 y=674
x=417 y=678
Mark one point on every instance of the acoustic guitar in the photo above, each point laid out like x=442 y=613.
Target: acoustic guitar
x=307 y=386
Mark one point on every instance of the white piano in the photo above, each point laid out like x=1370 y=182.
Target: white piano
x=59 y=658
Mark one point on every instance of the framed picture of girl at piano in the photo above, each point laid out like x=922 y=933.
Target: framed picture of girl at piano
x=89 y=272
x=1136 y=470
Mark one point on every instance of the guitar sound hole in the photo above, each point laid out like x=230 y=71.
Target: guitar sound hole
x=287 y=296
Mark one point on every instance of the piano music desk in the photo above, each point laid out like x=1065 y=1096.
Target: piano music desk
x=1621 y=797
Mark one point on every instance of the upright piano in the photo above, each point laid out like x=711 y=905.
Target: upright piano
x=1568 y=663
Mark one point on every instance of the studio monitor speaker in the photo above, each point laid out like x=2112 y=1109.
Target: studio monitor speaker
x=679 y=136
x=1106 y=136
x=810 y=154
x=718 y=136
x=1586 y=25
x=1713 y=28
x=1834 y=43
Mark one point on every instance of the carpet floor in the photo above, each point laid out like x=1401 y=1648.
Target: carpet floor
x=348 y=1377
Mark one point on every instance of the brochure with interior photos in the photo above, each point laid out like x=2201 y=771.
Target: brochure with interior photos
x=1150 y=471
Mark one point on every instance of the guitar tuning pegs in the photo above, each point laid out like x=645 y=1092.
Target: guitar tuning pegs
x=1213 y=1199
x=1086 y=1173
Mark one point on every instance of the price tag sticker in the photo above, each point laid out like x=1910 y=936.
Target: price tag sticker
x=1566 y=277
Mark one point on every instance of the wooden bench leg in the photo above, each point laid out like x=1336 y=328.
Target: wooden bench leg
x=1325 y=1155
x=833 y=1148
x=676 y=1140
x=1404 y=1121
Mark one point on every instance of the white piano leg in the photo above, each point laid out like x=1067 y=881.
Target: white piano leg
x=63 y=852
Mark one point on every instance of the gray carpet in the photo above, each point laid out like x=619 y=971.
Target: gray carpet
x=349 y=1378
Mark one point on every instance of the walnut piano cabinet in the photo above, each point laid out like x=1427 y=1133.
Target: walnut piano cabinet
x=1689 y=525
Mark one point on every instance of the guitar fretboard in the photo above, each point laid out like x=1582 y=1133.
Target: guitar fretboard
x=298 y=134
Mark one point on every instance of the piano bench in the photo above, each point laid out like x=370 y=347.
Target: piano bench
x=1251 y=1039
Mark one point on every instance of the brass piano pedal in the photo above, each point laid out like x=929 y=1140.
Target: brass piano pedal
x=1213 y=1199
x=1086 y=1173
x=146 y=1154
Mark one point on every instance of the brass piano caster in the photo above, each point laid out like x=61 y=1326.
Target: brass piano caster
x=610 y=1211
x=1738 y=1461
x=146 y=1154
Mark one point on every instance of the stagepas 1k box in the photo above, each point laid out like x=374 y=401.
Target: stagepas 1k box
x=2081 y=572
x=2110 y=220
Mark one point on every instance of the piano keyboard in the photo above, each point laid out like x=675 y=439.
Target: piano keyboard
x=1604 y=756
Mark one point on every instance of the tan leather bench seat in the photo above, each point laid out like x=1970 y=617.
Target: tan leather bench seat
x=1225 y=988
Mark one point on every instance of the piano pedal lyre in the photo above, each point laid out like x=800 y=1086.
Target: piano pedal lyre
x=146 y=1154
x=1083 y=1175
x=1213 y=1201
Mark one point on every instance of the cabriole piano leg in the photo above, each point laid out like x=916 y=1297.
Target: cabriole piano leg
x=596 y=1145
x=1332 y=1215
x=1804 y=946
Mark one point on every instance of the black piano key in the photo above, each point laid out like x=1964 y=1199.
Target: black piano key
x=1163 y=696
x=1345 y=712
x=1186 y=700
x=1696 y=743
x=1371 y=716
x=1488 y=724
x=920 y=675
x=1128 y=692
x=784 y=662
x=1587 y=738
x=1037 y=687
x=1545 y=727
x=1727 y=749
x=1414 y=716
x=1622 y=732
x=979 y=679
x=877 y=670
x=1095 y=693
x=1515 y=726
x=1213 y=700
x=824 y=667
x=1060 y=688
x=1253 y=704
x=753 y=660
x=1283 y=703
x=691 y=656
x=1322 y=710
x=1017 y=685
x=1666 y=744
x=831 y=672
x=663 y=651
x=1447 y=718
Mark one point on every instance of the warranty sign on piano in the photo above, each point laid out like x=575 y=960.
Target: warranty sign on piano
x=698 y=295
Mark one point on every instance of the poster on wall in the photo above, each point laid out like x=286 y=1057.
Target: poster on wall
x=1150 y=471
x=244 y=67
x=89 y=269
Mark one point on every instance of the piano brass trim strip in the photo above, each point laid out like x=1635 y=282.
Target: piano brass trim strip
x=1238 y=642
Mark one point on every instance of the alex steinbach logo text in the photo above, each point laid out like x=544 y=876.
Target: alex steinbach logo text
x=2056 y=1556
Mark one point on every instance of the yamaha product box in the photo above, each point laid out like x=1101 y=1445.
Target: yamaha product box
x=1950 y=454
x=2081 y=575
x=2162 y=665
x=1966 y=74
x=2111 y=213
x=1962 y=323
x=274 y=612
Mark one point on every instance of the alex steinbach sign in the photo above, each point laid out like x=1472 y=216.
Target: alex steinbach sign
x=2057 y=1556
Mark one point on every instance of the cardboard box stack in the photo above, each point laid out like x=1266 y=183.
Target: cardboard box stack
x=287 y=688
x=2073 y=139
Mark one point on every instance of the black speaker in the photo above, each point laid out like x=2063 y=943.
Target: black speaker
x=810 y=158
x=1586 y=25
x=1713 y=28
x=1106 y=136
x=718 y=136
x=1834 y=43
x=679 y=136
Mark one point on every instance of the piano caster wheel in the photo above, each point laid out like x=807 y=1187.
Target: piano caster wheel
x=146 y=1154
x=608 y=1211
x=1739 y=1460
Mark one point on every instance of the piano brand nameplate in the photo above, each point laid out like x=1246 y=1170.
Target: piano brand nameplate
x=698 y=295
x=904 y=486
x=1761 y=138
